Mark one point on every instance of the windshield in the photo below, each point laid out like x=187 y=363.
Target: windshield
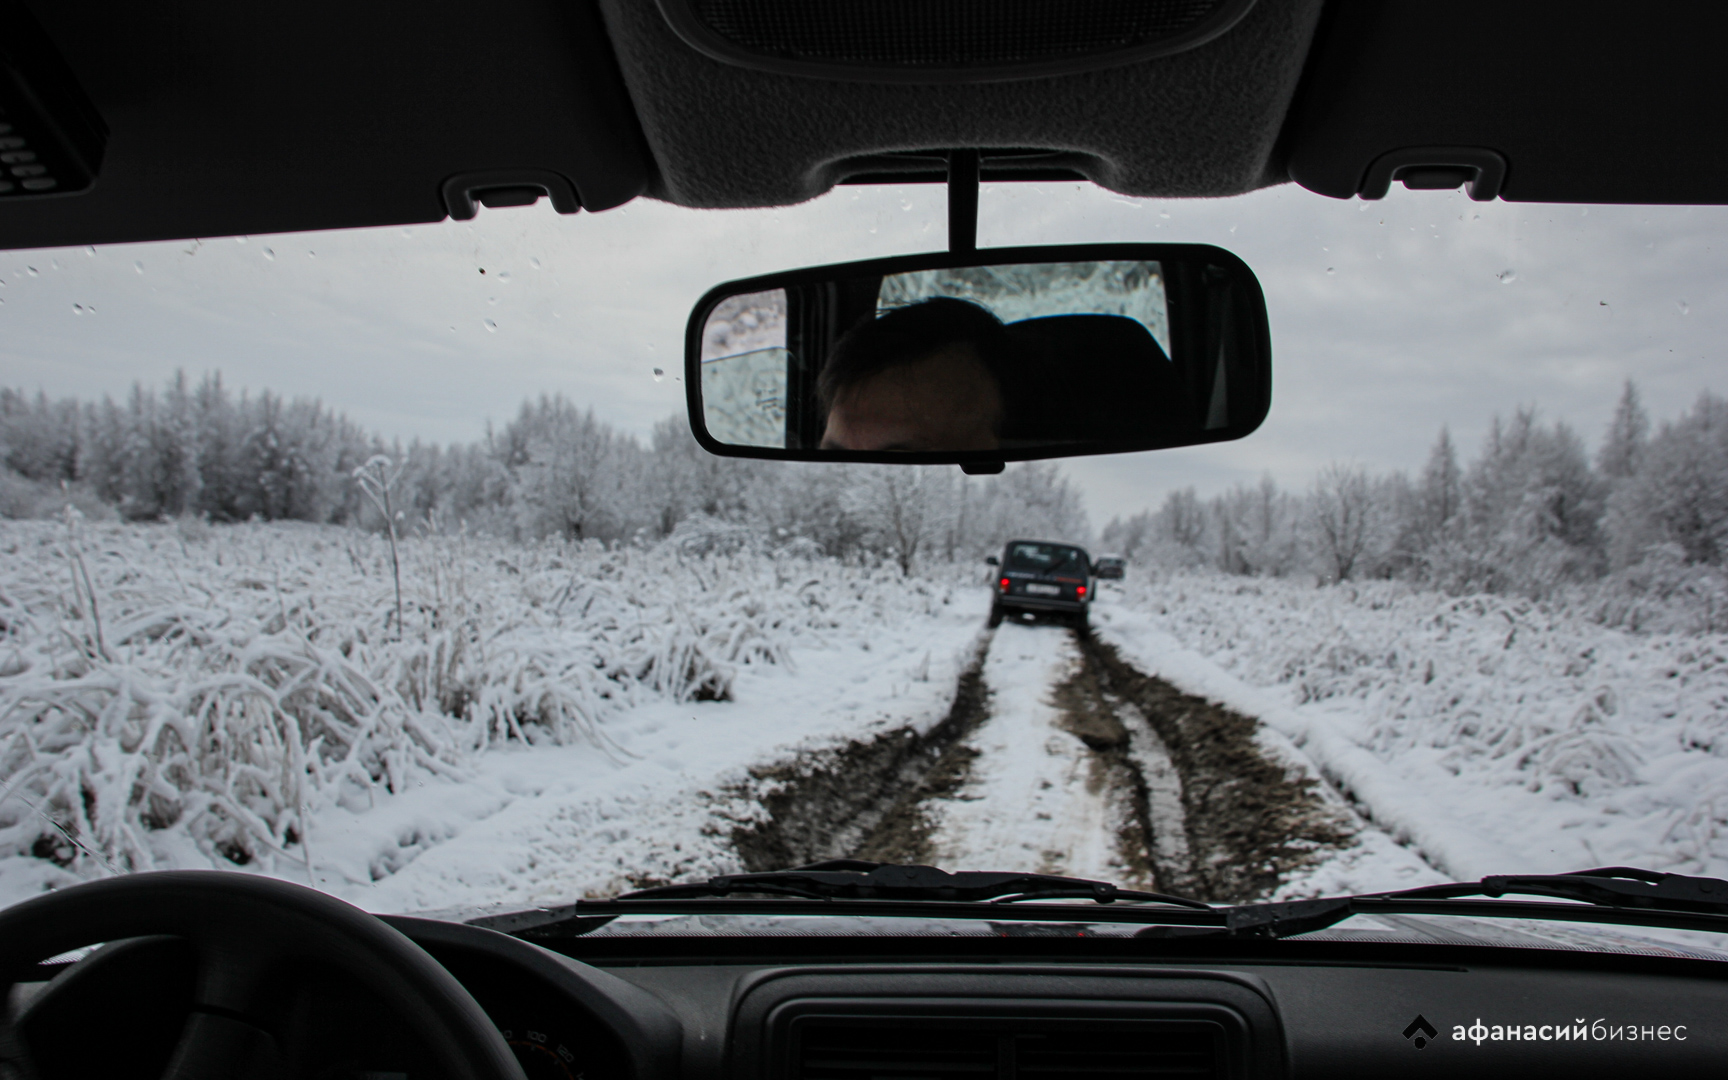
x=384 y=560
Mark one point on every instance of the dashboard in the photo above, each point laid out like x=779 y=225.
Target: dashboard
x=783 y=1008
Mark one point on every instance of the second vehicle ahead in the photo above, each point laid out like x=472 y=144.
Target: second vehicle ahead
x=1035 y=576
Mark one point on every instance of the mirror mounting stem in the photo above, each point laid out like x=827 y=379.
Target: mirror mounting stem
x=962 y=201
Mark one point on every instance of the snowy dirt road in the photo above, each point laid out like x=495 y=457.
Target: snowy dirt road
x=1058 y=756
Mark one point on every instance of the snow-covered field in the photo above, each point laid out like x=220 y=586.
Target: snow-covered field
x=1489 y=734
x=556 y=720
x=182 y=696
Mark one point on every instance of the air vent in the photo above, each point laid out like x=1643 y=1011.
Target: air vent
x=945 y=40
x=1104 y=1054
x=974 y=1049
x=848 y=1052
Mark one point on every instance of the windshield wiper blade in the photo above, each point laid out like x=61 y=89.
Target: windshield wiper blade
x=855 y=879
x=1622 y=888
x=1607 y=886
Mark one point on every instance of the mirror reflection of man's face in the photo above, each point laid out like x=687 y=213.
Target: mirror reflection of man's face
x=946 y=401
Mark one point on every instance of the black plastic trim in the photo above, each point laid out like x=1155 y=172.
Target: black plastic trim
x=695 y=33
x=651 y=1032
x=771 y=1002
x=1487 y=169
x=1259 y=349
x=464 y=191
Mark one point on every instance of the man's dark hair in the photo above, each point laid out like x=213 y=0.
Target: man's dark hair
x=907 y=335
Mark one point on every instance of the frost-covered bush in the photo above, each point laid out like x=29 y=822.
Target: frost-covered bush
x=214 y=686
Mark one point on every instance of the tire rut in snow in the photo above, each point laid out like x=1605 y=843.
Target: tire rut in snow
x=1130 y=761
x=1249 y=821
x=865 y=800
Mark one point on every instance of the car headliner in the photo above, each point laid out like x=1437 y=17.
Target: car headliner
x=233 y=118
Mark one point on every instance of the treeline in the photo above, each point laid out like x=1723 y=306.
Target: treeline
x=1533 y=511
x=553 y=470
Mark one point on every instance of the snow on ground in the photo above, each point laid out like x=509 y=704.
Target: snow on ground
x=1034 y=800
x=1488 y=734
x=546 y=825
x=239 y=696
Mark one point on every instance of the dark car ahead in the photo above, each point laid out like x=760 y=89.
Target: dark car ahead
x=1111 y=567
x=1039 y=576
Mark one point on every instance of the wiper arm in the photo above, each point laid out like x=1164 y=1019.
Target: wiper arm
x=855 y=879
x=1608 y=886
x=1619 y=887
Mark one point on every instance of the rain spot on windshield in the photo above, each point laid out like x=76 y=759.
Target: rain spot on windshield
x=269 y=254
x=1685 y=308
x=491 y=326
x=659 y=373
x=1507 y=277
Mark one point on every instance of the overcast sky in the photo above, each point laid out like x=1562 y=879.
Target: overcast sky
x=1388 y=319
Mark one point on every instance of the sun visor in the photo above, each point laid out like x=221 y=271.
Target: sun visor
x=232 y=118
x=1582 y=102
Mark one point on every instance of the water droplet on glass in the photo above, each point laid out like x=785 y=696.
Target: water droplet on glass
x=239 y=239
x=90 y=251
x=311 y=254
x=491 y=326
x=408 y=233
x=33 y=271
x=534 y=262
x=491 y=299
x=77 y=309
x=1165 y=214
x=659 y=373
x=269 y=254
x=1507 y=277
x=504 y=275
x=1601 y=303
x=1685 y=309
x=138 y=266
x=1331 y=270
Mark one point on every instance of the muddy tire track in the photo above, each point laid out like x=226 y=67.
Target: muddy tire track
x=865 y=800
x=1200 y=809
x=1250 y=821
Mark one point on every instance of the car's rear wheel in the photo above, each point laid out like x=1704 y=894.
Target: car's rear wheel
x=996 y=614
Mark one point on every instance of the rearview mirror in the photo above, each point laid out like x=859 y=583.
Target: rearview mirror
x=976 y=359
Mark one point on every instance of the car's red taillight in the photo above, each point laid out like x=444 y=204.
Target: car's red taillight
x=1004 y=584
x=1081 y=589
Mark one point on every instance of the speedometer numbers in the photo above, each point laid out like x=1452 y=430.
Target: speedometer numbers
x=543 y=1056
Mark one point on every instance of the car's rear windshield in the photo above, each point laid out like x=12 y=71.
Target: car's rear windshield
x=1046 y=558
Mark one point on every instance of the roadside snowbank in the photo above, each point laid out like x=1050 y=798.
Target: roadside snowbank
x=1489 y=734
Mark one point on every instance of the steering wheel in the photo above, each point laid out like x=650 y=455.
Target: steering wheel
x=244 y=930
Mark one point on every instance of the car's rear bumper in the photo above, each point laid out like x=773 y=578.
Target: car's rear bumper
x=1040 y=603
